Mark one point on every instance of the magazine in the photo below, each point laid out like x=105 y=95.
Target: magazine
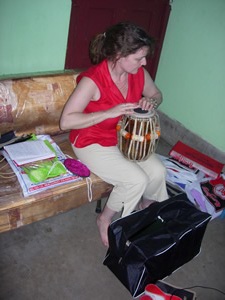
x=30 y=188
x=195 y=159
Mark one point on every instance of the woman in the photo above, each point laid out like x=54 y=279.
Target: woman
x=115 y=85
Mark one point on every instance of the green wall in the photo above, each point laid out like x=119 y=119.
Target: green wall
x=33 y=35
x=191 y=74
x=191 y=71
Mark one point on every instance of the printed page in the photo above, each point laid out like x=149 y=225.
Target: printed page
x=29 y=151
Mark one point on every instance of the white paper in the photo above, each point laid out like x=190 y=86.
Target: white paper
x=28 y=151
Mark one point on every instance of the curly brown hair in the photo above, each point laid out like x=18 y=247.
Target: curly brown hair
x=119 y=40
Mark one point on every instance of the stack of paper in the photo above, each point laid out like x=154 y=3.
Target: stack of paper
x=29 y=188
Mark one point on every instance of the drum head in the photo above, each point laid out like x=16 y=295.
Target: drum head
x=141 y=113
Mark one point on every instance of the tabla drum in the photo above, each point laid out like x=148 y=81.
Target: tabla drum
x=138 y=134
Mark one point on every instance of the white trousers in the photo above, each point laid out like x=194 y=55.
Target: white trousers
x=131 y=180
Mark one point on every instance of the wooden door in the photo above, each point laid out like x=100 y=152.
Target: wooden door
x=89 y=17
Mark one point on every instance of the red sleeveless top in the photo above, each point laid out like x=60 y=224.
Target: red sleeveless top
x=104 y=133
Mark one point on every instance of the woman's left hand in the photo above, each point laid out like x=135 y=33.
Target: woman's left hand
x=146 y=103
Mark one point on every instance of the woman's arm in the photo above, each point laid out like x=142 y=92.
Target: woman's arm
x=73 y=117
x=152 y=95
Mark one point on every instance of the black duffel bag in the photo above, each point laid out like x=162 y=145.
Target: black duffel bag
x=150 y=244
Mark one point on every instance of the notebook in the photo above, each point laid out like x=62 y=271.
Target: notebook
x=29 y=151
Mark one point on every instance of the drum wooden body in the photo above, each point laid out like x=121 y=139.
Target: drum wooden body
x=138 y=135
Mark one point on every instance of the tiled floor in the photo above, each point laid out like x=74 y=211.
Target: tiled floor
x=61 y=258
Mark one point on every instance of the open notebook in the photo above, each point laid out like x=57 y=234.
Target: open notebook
x=29 y=151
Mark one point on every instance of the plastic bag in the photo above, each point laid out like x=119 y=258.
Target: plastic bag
x=42 y=170
x=208 y=194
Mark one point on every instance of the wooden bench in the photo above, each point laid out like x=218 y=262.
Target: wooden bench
x=34 y=105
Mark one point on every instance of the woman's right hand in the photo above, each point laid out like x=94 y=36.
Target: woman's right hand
x=122 y=109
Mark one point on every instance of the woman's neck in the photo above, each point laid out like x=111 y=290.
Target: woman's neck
x=119 y=77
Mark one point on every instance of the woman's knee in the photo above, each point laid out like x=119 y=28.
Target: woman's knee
x=138 y=178
x=159 y=173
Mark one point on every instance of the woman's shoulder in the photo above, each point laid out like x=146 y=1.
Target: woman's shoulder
x=94 y=71
x=99 y=74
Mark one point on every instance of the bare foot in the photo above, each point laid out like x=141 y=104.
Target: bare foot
x=103 y=225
